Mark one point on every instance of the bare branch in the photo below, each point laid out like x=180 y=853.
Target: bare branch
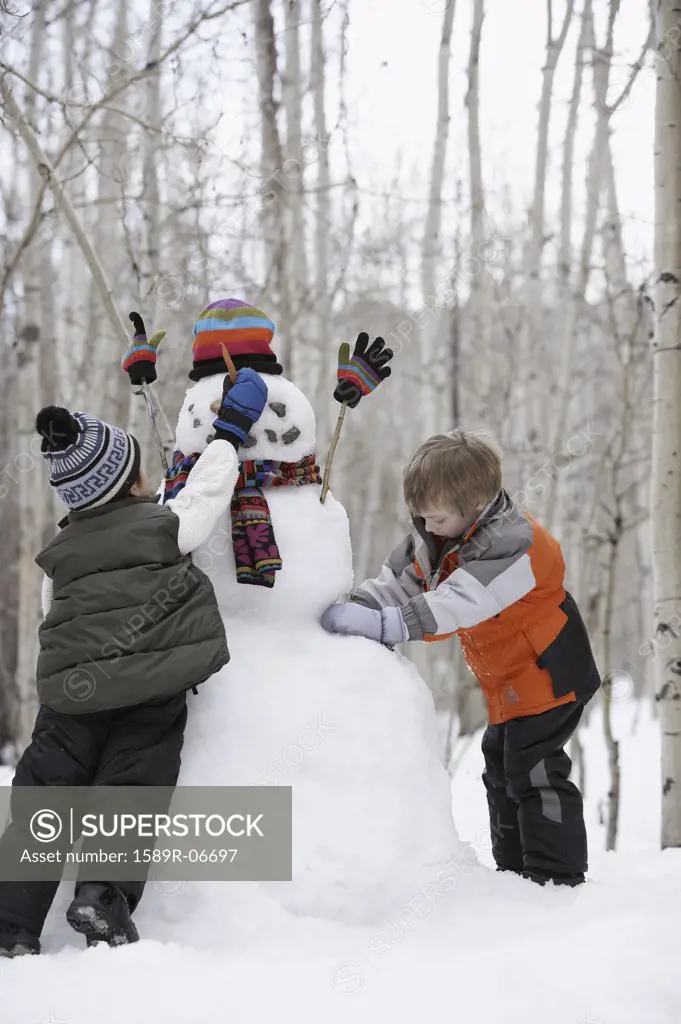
x=636 y=67
x=102 y=103
x=52 y=182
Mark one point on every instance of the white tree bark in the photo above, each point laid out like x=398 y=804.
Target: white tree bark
x=292 y=173
x=570 y=296
x=621 y=295
x=10 y=704
x=527 y=396
x=112 y=168
x=273 y=218
x=150 y=169
x=28 y=484
x=321 y=305
x=571 y=287
x=431 y=237
x=666 y=472
x=477 y=305
x=138 y=424
x=67 y=335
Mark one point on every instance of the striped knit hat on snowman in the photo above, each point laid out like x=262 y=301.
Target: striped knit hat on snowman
x=90 y=462
x=244 y=330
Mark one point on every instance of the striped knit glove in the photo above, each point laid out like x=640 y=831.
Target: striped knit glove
x=242 y=403
x=139 y=362
x=361 y=374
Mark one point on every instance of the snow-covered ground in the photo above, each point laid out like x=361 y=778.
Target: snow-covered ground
x=475 y=946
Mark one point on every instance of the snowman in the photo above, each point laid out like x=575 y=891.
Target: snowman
x=347 y=723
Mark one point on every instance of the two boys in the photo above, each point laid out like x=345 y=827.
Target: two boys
x=475 y=565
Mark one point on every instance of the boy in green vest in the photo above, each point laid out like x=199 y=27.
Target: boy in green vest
x=130 y=625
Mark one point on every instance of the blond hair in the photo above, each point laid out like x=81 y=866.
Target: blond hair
x=456 y=471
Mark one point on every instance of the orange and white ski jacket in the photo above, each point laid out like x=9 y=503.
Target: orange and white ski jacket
x=500 y=589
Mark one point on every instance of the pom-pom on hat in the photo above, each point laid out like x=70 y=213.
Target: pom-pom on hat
x=90 y=462
x=244 y=330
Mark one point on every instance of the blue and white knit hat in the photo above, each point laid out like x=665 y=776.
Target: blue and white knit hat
x=90 y=462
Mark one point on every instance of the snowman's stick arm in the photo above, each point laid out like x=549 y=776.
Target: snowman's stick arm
x=332 y=451
x=154 y=426
x=159 y=408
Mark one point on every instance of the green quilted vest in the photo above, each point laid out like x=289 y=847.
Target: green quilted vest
x=132 y=619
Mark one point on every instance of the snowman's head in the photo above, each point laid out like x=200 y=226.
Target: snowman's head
x=286 y=430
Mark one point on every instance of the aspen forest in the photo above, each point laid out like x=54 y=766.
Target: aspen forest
x=155 y=154
x=491 y=187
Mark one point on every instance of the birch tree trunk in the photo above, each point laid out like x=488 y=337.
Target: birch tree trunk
x=612 y=745
x=571 y=285
x=150 y=170
x=10 y=703
x=666 y=472
x=113 y=173
x=321 y=305
x=272 y=220
x=67 y=350
x=431 y=238
x=292 y=172
x=25 y=477
x=568 y=301
x=530 y=354
x=481 y=365
x=622 y=297
x=138 y=424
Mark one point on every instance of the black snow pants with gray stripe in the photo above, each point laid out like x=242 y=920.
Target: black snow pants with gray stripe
x=536 y=813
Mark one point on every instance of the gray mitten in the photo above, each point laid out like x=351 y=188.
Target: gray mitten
x=385 y=626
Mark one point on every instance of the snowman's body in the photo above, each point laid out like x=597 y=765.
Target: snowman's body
x=346 y=722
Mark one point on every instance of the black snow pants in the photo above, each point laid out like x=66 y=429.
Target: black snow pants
x=133 y=746
x=536 y=814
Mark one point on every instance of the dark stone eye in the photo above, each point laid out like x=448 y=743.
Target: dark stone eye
x=209 y=437
x=278 y=408
x=249 y=442
x=190 y=408
x=291 y=435
x=270 y=435
x=197 y=421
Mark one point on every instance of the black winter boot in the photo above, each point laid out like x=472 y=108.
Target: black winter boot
x=17 y=941
x=542 y=877
x=101 y=913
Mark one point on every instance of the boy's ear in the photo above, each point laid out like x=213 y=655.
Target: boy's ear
x=135 y=488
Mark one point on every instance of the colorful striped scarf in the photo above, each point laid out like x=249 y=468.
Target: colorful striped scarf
x=256 y=553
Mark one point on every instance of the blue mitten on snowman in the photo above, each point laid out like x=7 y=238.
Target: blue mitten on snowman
x=241 y=405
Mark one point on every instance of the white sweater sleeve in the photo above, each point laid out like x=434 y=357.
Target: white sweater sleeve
x=206 y=495
x=46 y=595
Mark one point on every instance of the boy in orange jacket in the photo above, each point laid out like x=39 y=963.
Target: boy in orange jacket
x=476 y=565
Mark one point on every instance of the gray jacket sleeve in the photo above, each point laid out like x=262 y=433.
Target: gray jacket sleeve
x=491 y=577
x=395 y=584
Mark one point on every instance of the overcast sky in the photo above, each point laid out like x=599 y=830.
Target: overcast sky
x=393 y=97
